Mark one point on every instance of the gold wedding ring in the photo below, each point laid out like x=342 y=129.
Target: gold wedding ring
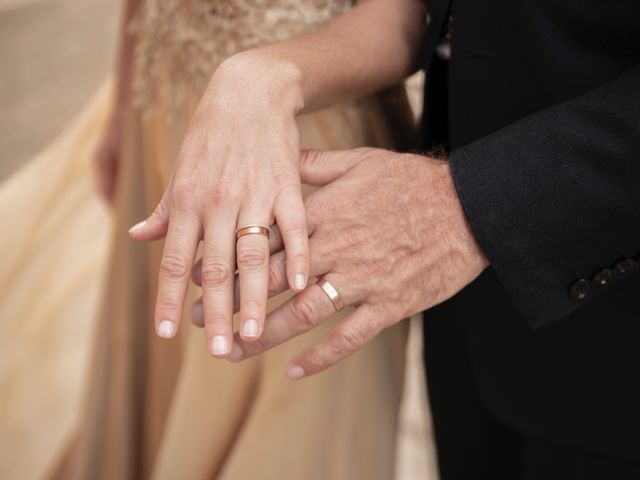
x=332 y=293
x=252 y=229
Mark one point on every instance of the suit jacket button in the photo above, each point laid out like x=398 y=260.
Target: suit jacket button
x=581 y=289
x=604 y=277
x=625 y=266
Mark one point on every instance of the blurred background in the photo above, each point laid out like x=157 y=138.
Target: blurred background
x=53 y=56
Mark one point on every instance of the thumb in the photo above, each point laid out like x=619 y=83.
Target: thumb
x=155 y=226
x=320 y=167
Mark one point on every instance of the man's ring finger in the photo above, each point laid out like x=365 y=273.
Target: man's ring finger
x=332 y=293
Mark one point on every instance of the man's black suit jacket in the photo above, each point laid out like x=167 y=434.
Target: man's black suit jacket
x=539 y=106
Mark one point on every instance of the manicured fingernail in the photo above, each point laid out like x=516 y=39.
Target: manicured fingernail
x=250 y=328
x=295 y=372
x=137 y=227
x=236 y=353
x=219 y=345
x=197 y=314
x=166 y=329
x=299 y=281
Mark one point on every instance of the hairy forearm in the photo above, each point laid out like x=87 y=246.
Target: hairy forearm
x=372 y=46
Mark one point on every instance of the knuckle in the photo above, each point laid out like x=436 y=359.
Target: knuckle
x=377 y=268
x=368 y=153
x=174 y=266
x=222 y=192
x=286 y=179
x=165 y=305
x=184 y=191
x=250 y=258
x=351 y=240
x=251 y=181
x=347 y=341
x=314 y=362
x=313 y=157
x=218 y=319
x=302 y=313
x=215 y=272
x=253 y=306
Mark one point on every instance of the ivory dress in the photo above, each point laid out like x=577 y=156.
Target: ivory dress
x=166 y=409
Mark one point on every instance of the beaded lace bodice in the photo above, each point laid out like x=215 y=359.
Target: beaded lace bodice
x=181 y=42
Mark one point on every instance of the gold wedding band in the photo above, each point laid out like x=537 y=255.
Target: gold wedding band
x=252 y=230
x=332 y=293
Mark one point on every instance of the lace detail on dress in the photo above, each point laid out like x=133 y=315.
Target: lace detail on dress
x=181 y=42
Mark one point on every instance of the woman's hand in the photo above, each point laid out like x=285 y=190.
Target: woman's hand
x=107 y=157
x=238 y=165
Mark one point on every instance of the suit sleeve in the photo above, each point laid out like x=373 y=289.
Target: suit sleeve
x=554 y=199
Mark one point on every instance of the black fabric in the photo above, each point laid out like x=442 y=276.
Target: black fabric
x=543 y=115
x=473 y=444
x=559 y=193
x=545 y=461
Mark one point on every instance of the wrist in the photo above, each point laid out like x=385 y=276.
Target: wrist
x=256 y=79
x=471 y=247
x=463 y=238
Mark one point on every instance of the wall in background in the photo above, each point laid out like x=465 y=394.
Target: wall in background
x=53 y=55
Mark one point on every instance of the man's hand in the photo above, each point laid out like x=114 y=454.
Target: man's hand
x=388 y=232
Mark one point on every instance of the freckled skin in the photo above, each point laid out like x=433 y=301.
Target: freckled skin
x=239 y=162
x=392 y=239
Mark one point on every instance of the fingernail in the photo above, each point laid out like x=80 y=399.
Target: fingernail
x=236 y=353
x=295 y=372
x=166 y=329
x=250 y=328
x=219 y=345
x=299 y=281
x=137 y=227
